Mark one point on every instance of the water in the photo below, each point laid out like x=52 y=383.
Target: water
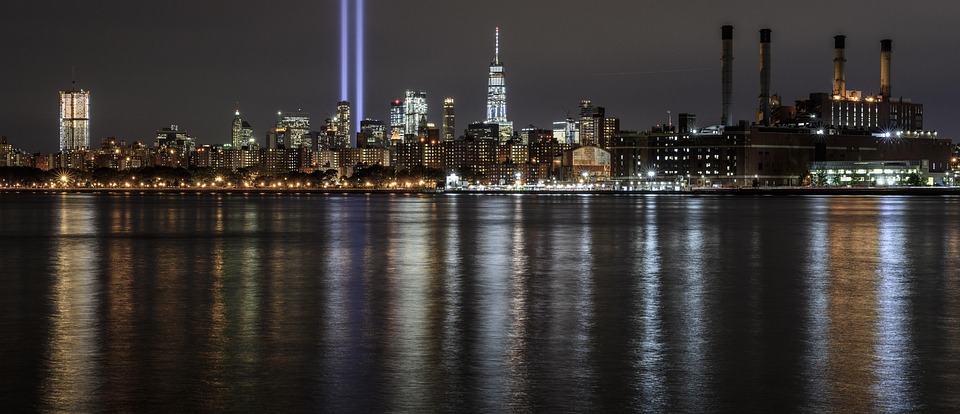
x=451 y=303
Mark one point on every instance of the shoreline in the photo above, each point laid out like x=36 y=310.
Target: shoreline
x=763 y=191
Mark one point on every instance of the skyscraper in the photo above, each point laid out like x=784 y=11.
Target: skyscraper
x=449 y=118
x=497 y=94
x=397 y=126
x=242 y=133
x=343 y=125
x=371 y=134
x=415 y=114
x=74 y=119
x=291 y=128
x=587 y=128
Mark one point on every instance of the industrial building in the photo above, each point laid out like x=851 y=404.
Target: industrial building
x=841 y=126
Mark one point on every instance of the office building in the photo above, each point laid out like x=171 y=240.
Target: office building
x=74 y=119
x=397 y=122
x=497 y=94
x=586 y=129
x=291 y=130
x=342 y=122
x=567 y=131
x=242 y=133
x=372 y=134
x=414 y=115
x=449 y=120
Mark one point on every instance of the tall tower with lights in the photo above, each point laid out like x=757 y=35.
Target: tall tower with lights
x=449 y=121
x=343 y=124
x=415 y=115
x=497 y=94
x=397 y=122
x=74 y=119
x=242 y=133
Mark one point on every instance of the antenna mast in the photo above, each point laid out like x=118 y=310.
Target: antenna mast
x=497 y=49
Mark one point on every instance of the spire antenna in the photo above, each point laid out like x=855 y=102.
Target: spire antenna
x=497 y=49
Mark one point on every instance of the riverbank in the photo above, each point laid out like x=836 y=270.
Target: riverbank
x=759 y=191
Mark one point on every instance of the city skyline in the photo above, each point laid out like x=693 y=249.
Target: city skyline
x=637 y=74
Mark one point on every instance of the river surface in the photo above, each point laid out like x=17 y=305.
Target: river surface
x=478 y=303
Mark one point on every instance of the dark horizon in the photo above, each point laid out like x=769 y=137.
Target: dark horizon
x=150 y=66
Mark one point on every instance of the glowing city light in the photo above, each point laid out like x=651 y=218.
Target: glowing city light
x=358 y=77
x=344 y=52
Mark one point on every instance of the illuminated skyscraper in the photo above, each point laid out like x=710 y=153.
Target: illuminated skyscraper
x=587 y=128
x=397 y=125
x=74 y=119
x=371 y=134
x=566 y=132
x=242 y=134
x=343 y=125
x=291 y=129
x=497 y=94
x=414 y=114
x=449 y=124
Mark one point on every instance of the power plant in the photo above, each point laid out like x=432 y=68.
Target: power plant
x=841 y=137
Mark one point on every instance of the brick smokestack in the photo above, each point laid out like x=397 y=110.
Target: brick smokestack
x=765 y=75
x=726 y=74
x=839 y=65
x=886 y=49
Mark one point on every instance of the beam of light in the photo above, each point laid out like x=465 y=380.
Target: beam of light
x=344 y=52
x=652 y=72
x=358 y=76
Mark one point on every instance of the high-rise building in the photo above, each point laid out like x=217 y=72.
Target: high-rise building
x=609 y=131
x=415 y=115
x=342 y=122
x=587 y=128
x=397 y=126
x=449 y=118
x=291 y=129
x=174 y=147
x=497 y=94
x=74 y=119
x=566 y=131
x=242 y=134
x=371 y=134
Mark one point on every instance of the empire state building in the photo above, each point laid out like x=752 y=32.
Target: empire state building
x=497 y=95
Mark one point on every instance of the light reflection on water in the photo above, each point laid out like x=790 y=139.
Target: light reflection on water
x=650 y=356
x=73 y=378
x=893 y=386
x=694 y=359
x=817 y=333
x=479 y=303
x=852 y=312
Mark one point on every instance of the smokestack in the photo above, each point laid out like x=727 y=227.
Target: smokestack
x=726 y=73
x=839 y=66
x=886 y=49
x=765 y=75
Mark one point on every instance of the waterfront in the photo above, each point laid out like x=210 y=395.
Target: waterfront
x=477 y=302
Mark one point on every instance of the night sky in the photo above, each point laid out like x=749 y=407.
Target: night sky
x=192 y=63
